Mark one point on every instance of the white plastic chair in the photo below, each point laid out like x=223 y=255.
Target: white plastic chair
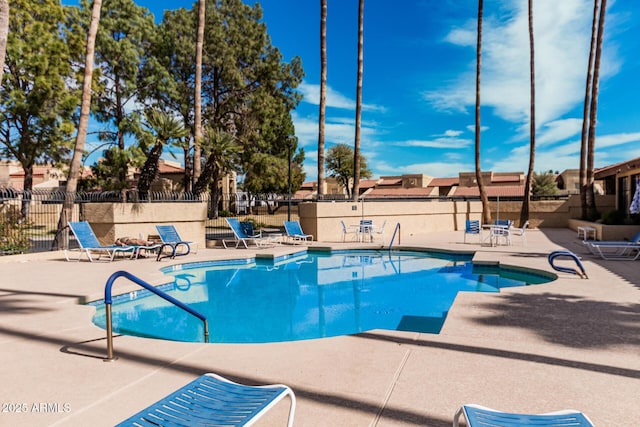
x=347 y=230
x=520 y=232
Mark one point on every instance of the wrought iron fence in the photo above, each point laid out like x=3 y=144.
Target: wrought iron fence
x=29 y=219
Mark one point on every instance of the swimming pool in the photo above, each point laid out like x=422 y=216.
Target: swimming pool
x=311 y=295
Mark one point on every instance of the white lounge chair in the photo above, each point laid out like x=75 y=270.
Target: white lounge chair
x=89 y=244
x=214 y=400
x=480 y=416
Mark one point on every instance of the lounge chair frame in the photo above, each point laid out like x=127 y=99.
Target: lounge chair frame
x=241 y=237
x=214 y=400
x=89 y=244
x=172 y=241
x=480 y=416
x=295 y=234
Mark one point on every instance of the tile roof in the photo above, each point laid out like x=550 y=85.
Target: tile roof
x=505 y=178
x=397 y=181
x=368 y=183
x=400 y=192
x=444 y=182
x=615 y=168
x=492 y=191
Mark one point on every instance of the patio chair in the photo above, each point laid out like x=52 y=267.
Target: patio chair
x=295 y=233
x=378 y=232
x=214 y=400
x=241 y=236
x=472 y=226
x=501 y=230
x=366 y=229
x=171 y=240
x=478 y=416
x=348 y=230
x=89 y=244
x=520 y=232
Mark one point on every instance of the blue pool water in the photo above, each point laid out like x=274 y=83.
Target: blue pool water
x=312 y=295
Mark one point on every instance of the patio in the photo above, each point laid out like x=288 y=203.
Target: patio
x=572 y=343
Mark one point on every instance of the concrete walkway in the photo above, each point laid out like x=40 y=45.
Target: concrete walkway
x=571 y=343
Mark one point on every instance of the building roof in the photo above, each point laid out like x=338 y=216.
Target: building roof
x=368 y=183
x=37 y=171
x=400 y=192
x=505 y=178
x=444 y=182
x=392 y=181
x=492 y=191
x=166 y=167
x=617 y=168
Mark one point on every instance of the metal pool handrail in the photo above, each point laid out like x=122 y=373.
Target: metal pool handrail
x=108 y=300
x=395 y=230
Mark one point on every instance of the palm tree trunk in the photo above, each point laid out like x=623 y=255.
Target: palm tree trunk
x=323 y=94
x=4 y=32
x=592 y=211
x=486 y=210
x=356 y=149
x=197 y=131
x=81 y=136
x=524 y=213
x=149 y=171
x=585 y=114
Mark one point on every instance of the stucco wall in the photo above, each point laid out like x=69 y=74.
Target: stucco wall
x=416 y=217
x=112 y=220
x=423 y=217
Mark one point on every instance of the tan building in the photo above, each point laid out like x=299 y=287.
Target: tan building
x=621 y=180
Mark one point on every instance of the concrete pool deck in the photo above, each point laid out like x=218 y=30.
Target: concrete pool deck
x=571 y=343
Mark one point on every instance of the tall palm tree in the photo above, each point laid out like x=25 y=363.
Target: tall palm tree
x=83 y=125
x=585 y=114
x=4 y=31
x=486 y=210
x=323 y=94
x=524 y=212
x=592 y=211
x=197 y=129
x=162 y=128
x=356 y=148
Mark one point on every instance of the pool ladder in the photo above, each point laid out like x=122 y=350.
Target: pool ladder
x=108 y=300
x=568 y=254
x=393 y=238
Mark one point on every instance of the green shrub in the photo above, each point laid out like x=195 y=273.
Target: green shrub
x=13 y=232
x=614 y=217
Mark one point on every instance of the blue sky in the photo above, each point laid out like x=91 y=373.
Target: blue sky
x=419 y=81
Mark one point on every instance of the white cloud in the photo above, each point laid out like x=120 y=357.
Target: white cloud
x=472 y=128
x=558 y=130
x=311 y=94
x=562 y=33
x=450 y=133
x=448 y=143
x=435 y=169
